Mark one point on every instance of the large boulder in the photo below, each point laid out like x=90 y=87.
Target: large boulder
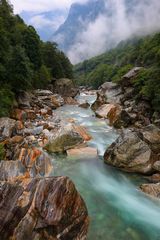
x=151 y=135
x=24 y=99
x=130 y=153
x=107 y=110
x=23 y=115
x=65 y=139
x=112 y=91
x=151 y=189
x=31 y=163
x=101 y=100
x=48 y=98
x=42 y=208
x=7 y=127
x=115 y=114
x=65 y=87
x=126 y=80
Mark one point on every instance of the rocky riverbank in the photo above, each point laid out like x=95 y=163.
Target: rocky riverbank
x=51 y=206
x=34 y=205
x=137 y=149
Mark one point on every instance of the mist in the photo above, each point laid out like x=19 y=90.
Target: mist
x=122 y=19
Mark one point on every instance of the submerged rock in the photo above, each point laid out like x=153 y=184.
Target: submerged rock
x=47 y=208
x=84 y=105
x=65 y=139
x=83 y=152
x=82 y=132
x=130 y=153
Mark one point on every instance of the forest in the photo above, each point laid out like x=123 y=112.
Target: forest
x=112 y=65
x=26 y=62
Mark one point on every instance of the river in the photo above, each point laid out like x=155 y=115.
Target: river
x=117 y=209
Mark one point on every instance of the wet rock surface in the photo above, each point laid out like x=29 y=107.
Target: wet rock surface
x=140 y=111
x=65 y=139
x=7 y=126
x=84 y=105
x=49 y=208
x=101 y=99
x=115 y=114
x=151 y=189
x=130 y=153
x=83 y=152
x=32 y=204
x=65 y=87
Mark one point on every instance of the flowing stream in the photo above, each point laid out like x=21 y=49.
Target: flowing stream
x=117 y=209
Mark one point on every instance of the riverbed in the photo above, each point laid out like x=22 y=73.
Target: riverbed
x=118 y=210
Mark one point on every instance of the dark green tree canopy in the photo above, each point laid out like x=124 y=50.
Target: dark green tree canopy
x=25 y=61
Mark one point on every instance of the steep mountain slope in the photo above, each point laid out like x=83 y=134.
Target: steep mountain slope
x=112 y=65
x=78 y=18
x=92 y=28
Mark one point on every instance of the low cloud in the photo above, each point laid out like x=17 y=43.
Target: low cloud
x=41 y=21
x=40 y=6
x=141 y=18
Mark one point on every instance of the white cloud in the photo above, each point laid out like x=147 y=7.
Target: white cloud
x=41 y=21
x=42 y=5
x=108 y=30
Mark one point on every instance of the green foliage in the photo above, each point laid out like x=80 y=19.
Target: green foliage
x=43 y=77
x=112 y=65
x=55 y=60
x=25 y=61
x=101 y=74
x=2 y=152
x=121 y=72
x=32 y=46
x=6 y=101
x=147 y=84
x=20 y=71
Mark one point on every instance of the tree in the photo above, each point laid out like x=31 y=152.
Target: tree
x=42 y=77
x=58 y=64
x=20 y=73
x=31 y=43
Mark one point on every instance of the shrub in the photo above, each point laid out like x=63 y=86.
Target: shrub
x=2 y=152
x=6 y=101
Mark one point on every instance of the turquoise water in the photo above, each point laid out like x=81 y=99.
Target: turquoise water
x=117 y=209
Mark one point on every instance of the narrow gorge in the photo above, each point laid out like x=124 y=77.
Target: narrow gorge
x=79 y=144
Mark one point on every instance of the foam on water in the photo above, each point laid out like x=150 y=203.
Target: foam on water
x=118 y=209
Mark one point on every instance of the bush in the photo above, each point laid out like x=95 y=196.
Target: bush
x=147 y=84
x=6 y=101
x=2 y=152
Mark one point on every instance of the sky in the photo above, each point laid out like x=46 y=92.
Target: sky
x=106 y=30
x=45 y=15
